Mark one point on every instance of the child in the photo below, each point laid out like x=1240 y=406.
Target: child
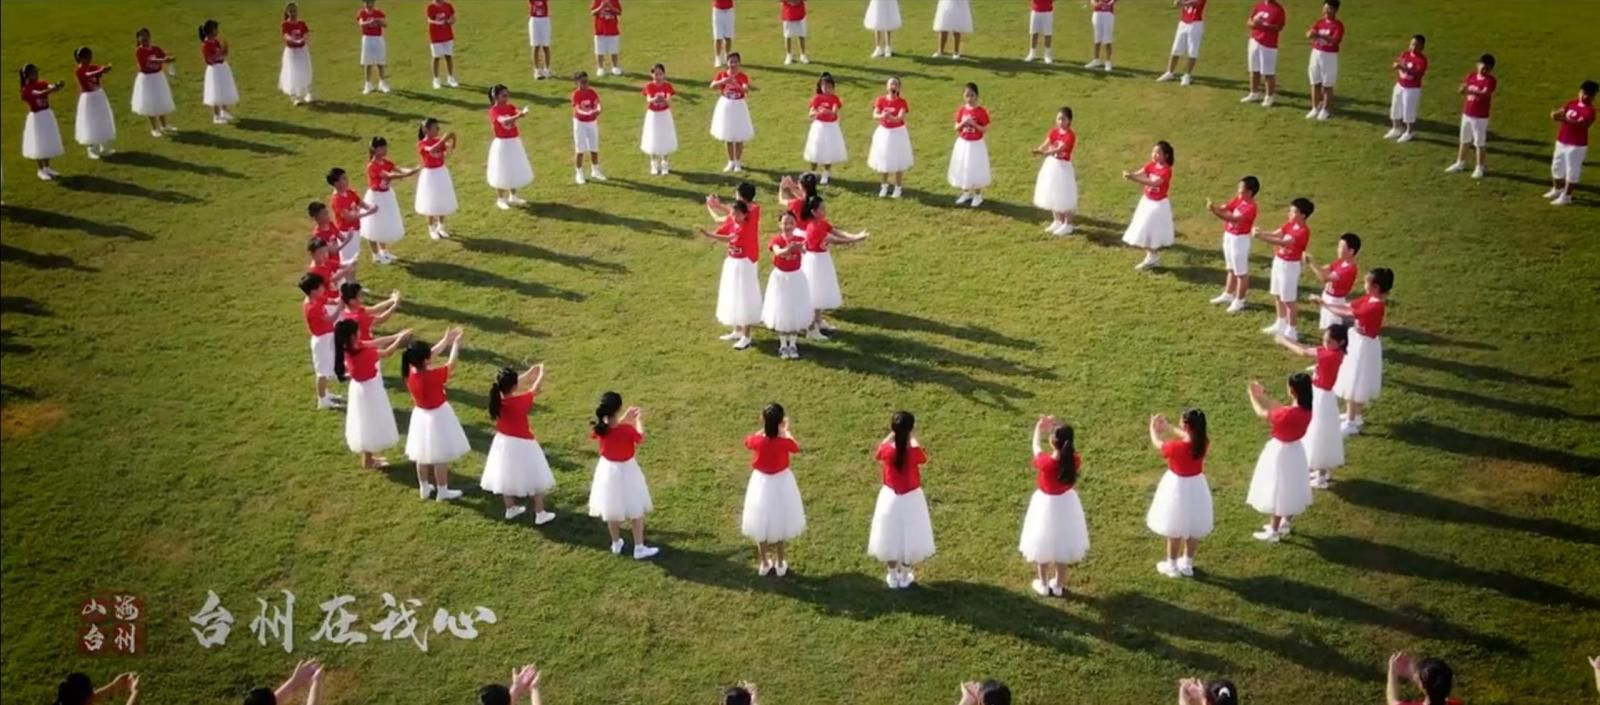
x=1151 y=228
x=1102 y=20
x=220 y=92
x=773 y=513
x=951 y=17
x=348 y=211
x=524 y=686
x=508 y=168
x=793 y=193
x=321 y=311
x=516 y=466
x=730 y=121
x=294 y=78
x=786 y=308
x=374 y=48
x=660 y=134
x=890 y=153
x=442 y=39
x=969 y=158
x=1478 y=87
x=385 y=226
x=326 y=241
x=435 y=438
x=41 y=136
x=539 y=37
x=152 y=96
x=1186 y=41
x=721 y=31
x=1338 y=278
x=1193 y=691
x=77 y=689
x=793 y=15
x=436 y=193
x=1267 y=20
x=1054 y=533
x=1181 y=511
x=365 y=316
x=1430 y=675
x=817 y=264
x=607 y=35
x=1239 y=216
x=1291 y=240
x=1041 y=24
x=1361 y=375
x=1281 y=484
x=1056 y=188
x=619 y=492
x=95 y=126
x=369 y=426
x=739 y=303
x=1324 y=442
x=825 y=144
x=1326 y=36
x=1409 y=68
x=585 y=129
x=1572 y=143
x=883 y=18
x=902 y=532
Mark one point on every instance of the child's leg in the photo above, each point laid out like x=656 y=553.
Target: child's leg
x=1173 y=549
x=1190 y=70
x=594 y=160
x=638 y=532
x=1483 y=154
x=1042 y=572
x=422 y=475
x=781 y=549
x=1189 y=548
x=508 y=500
x=761 y=553
x=802 y=46
x=383 y=72
x=538 y=504
x=441 y=475
x=1272 y=84
x=1290 y=310
x=958 y=42
x=615 y=529
x=1327 y=98
x=1172 y=64
x=1255 y=82
x=435 y=67
x=1275 y=522
x=1108 y=52
x=450 y=64
x=322 y=388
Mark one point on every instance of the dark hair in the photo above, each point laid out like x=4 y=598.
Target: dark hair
x=902 y=423
x=581 y=76
x=142 y=31
x=1066 y=450
x=1067 y=111
x=314 y=244
x=1589 y=87
x=1436 y=680
x=737 y=695
x=1384 y=278
x=349 y=290
x=1341 y=335
x=75 y=689
x=993 y=692
x=808 y=184
x=808 y=209
x=663 y=67
x=415 y=356
x=772 y=419
x=734 y=56
x=494 y=91
x=1487 y=60
x=610 y=404
x=973 y=87
x=422 y=130
x=1332 y=3
x=315 y=208
x=346 y=334
x=1166 y=151
x=377 y=142
x=824 y=78
x=1251 y=184
x=23 y=73
x=81 y=52
x=1305 y=206
x=746 y=191
x=494 y=694
x=261 y=696
x=1300 y=384
x=741 y=208
x=286 y=7
x=1420 y=40
x=334 y=175
x=207 y=28
x=1352 y=241
x=1195 y=421
x=504 y=383
x=310 y=282
x=1222 y=691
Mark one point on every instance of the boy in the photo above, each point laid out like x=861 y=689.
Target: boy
x=1267 y=20
x=1326 y=36
x=1240 y=216
x=1291 y=240
x=585 y=129
x=1409 y=69
x=1191 y=28
x=794 y=27
x=1572 y=143
x=1041 y=24
x=442 y=39
x=1478 y=87
x=607 y=35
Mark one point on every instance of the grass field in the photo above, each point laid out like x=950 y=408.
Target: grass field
x=158 y=435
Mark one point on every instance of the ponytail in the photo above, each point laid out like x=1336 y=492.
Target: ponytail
x=415 y=358
x=808 y=209
x=1300 y=384
x=23 y=73
x=286 y=8
x=207 y=28
x=808 y=184
x=79 y=53
x=901 y=424
x=772 y=419
x=422 y=130
x=610 y=404
x=377 y=142
x=1066 y=455
x=346 y=335
x=75 y=689
x=504 y=383
x=1194 y=421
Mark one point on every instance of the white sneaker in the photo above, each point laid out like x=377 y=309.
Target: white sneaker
x=883 y=192
x=1290 y=334
x=1048 y=58
x=892 y=579
x=716 y=62
x=1323 y=114
x=1477 y=172
x=1250 y=98
x=366 y=87
x=1168 y=568
x=763 y=569
x=158 y=133
x=383 y=86
x=956 y=56
x=1283 y=527
x=787 y=59
x=1268 y=101
x=1552 y=193
x=1055 y=587
x=595 y=175
x=1093 y=64
x=1406 y=137
x=1223 y=298
x=1149 y=262
x=617 y=71
x=443 y=234
x=1106 y=66
x=1392 y=133
x=794 y=351
x=642 y=552
x=1453 y=168
x=516 y=200
x=815 y=334
x=1039 y=588
x=616 y=547
x=93 y=154
x=665 y=168
x=451 y=80
x=907 y=577
x=825 y=176
x=306 y=99
x=437 y=85
x=1029 y=58
x=738 y=166
x=1186 y=80
x=1562 y=200
x=730 y=335
x=543 y=518
x=446 y=494
x=655 y=169
x=781 y=569
x=1274 y=329
x=169 y=129
x=577 y=177
x=728 y=168
x=323 y=403
x=963 y=198
x=1313 y=114
x=888 y=51
x=804 y=60
x=1236 y=306
x=937 y=54
x=502 y=204
x=877 y=52
x=425 y=489
x=1164 y=77
x=1063 y=229
x=977 y=200
x=1318 y=480
x=515 y=511
x=1185 y=566
x=743 y=342
x=1350 y=428
x=1267 y=535
x=895 y=193
x=44 y=175
x=433 y=231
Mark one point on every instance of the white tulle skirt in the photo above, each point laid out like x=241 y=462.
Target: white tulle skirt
x=902 y=531
x=890 y=152
x=220 y=90
x=822 y=280
x=730 y=121
x=41 y=136
x=152 y=95
x=825 y=144
x=516 y=467
x=294 y=78
x=1056 y=189
x=1054 y=530
x=1151 y=227
x=1181 y=508
x=387 y=225
x=1361 y=375
x=619 y=491
x=435 y=436
x=660 y=135
x=786 y=307
x=739 y=295
x=772 y=508
x=1324 y=441
x=369 y=425
x=508 y=164
x=969 y=165
x=94 y=124
x=882 y=16
x=1281 y=484
x=436 y=193
x=953 y=16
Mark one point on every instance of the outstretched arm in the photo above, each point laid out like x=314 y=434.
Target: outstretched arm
x=532 y=378
x=1259 y=400
x=1296 y=348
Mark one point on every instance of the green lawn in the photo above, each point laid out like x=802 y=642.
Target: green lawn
x=158 y=435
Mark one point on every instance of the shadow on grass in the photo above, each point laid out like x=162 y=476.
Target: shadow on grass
x=1369 y=556
x=447 y=100
x=61 y=221
x=450 y=316
x=569 y=213
x=1471 y=371
x=877 y=318
x=445 y=271
x=496 y=246
x=1591 y=191
x=148 y=160
x=1407 y=502
x=10 y=344
x=884 y=73
x=276 y=127
x=24 y=306
x=11 y=392
x=216 y=141
x=1459 y=442
x=1412 y=336
x=341 y=108
x=42 y=261
x=875 y=362
x=1509 y=406
x=659 y=189
x=112 y=187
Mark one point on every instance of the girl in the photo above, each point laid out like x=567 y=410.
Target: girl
x=374 y=48
x=385 y=226
x=952 y=17
x=77 y=689
x=969 y=159
x=1056 y=189
x=369 y=425
x=619 y=492
x=902 y=532
x=793 y=15
x=1054 y=533
x=365 y=316
x=220 y=91
x=41 y=137
x=1281 y=485
x=786 y=309
x=516 y=466
x=436 y=194
x=294 y=79
x=730 y=121
x=793 y=193
x=95 y=127
x=1324 y=442
x=739 y=302
x=508 y=169
x=660 y=136
x=1181 y=509
x=773 y=513
x=817 y=264
x=825 y=141
x=1151 y=227
x=1361 y=377
x=1239 y=216
x=890 y=154
x=152 y=96
x=883 y=18
x=435 y=438
x=585 y=129
x=1103 y=20
x=1193 y=691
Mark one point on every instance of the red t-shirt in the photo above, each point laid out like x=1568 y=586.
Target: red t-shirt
x=619 y=443
x=1480 y=94
x=1269 y=13
x=657 y=94
x=587 y=100
x=364 y=15
x=211 y=50
x=895 y=109
x=1368 y=313
x=150 y=58
x=771 y=455
x=427 y=387
x=432 y=152
x=378 y=171
x=1245 y=211
x=315 y=308
x=1181 y=460
x=827 y=107
x=37 y=96
x=1576 y=117
x=538 y=8
x=439 y=12
x=327 y=270
x=1328 y=361
x=1044 y=5
x=1289 y=423
x=1105 y=5
x=89 y=77
x=358 y=313
x=1327 y=35
x=1068 y=141
x=1412 y=66
x=793 y=11
x=1299 y=235
x=735 y=89
x=607 y=22
x=1163 y=175
x=1193 y=13
x=817 y=232
x=1049 y=469
x=789 y=262
x=978 y=115
x=902 y=480
x=294 y=33
x=1341 y=277
x=722 y=4
x=513 y=418
x=344 y=204
x=501 y=130
x=362 y=364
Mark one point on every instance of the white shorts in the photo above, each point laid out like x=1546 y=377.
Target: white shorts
x=1263 y=60
x=1475 y=131
x=1324 y=69
x=539 y=31
x=608 y=44
x=374 y=51
x=1187 y=40
x=1103 y=23
x=1042 y=23
x=1285 y=282
x=721 y=24
x=1403 y=105
x=1236 y=253
x=441 y=49
x=322 y=355
x=585 y=136
x=1567 y=164
x=794 y=30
